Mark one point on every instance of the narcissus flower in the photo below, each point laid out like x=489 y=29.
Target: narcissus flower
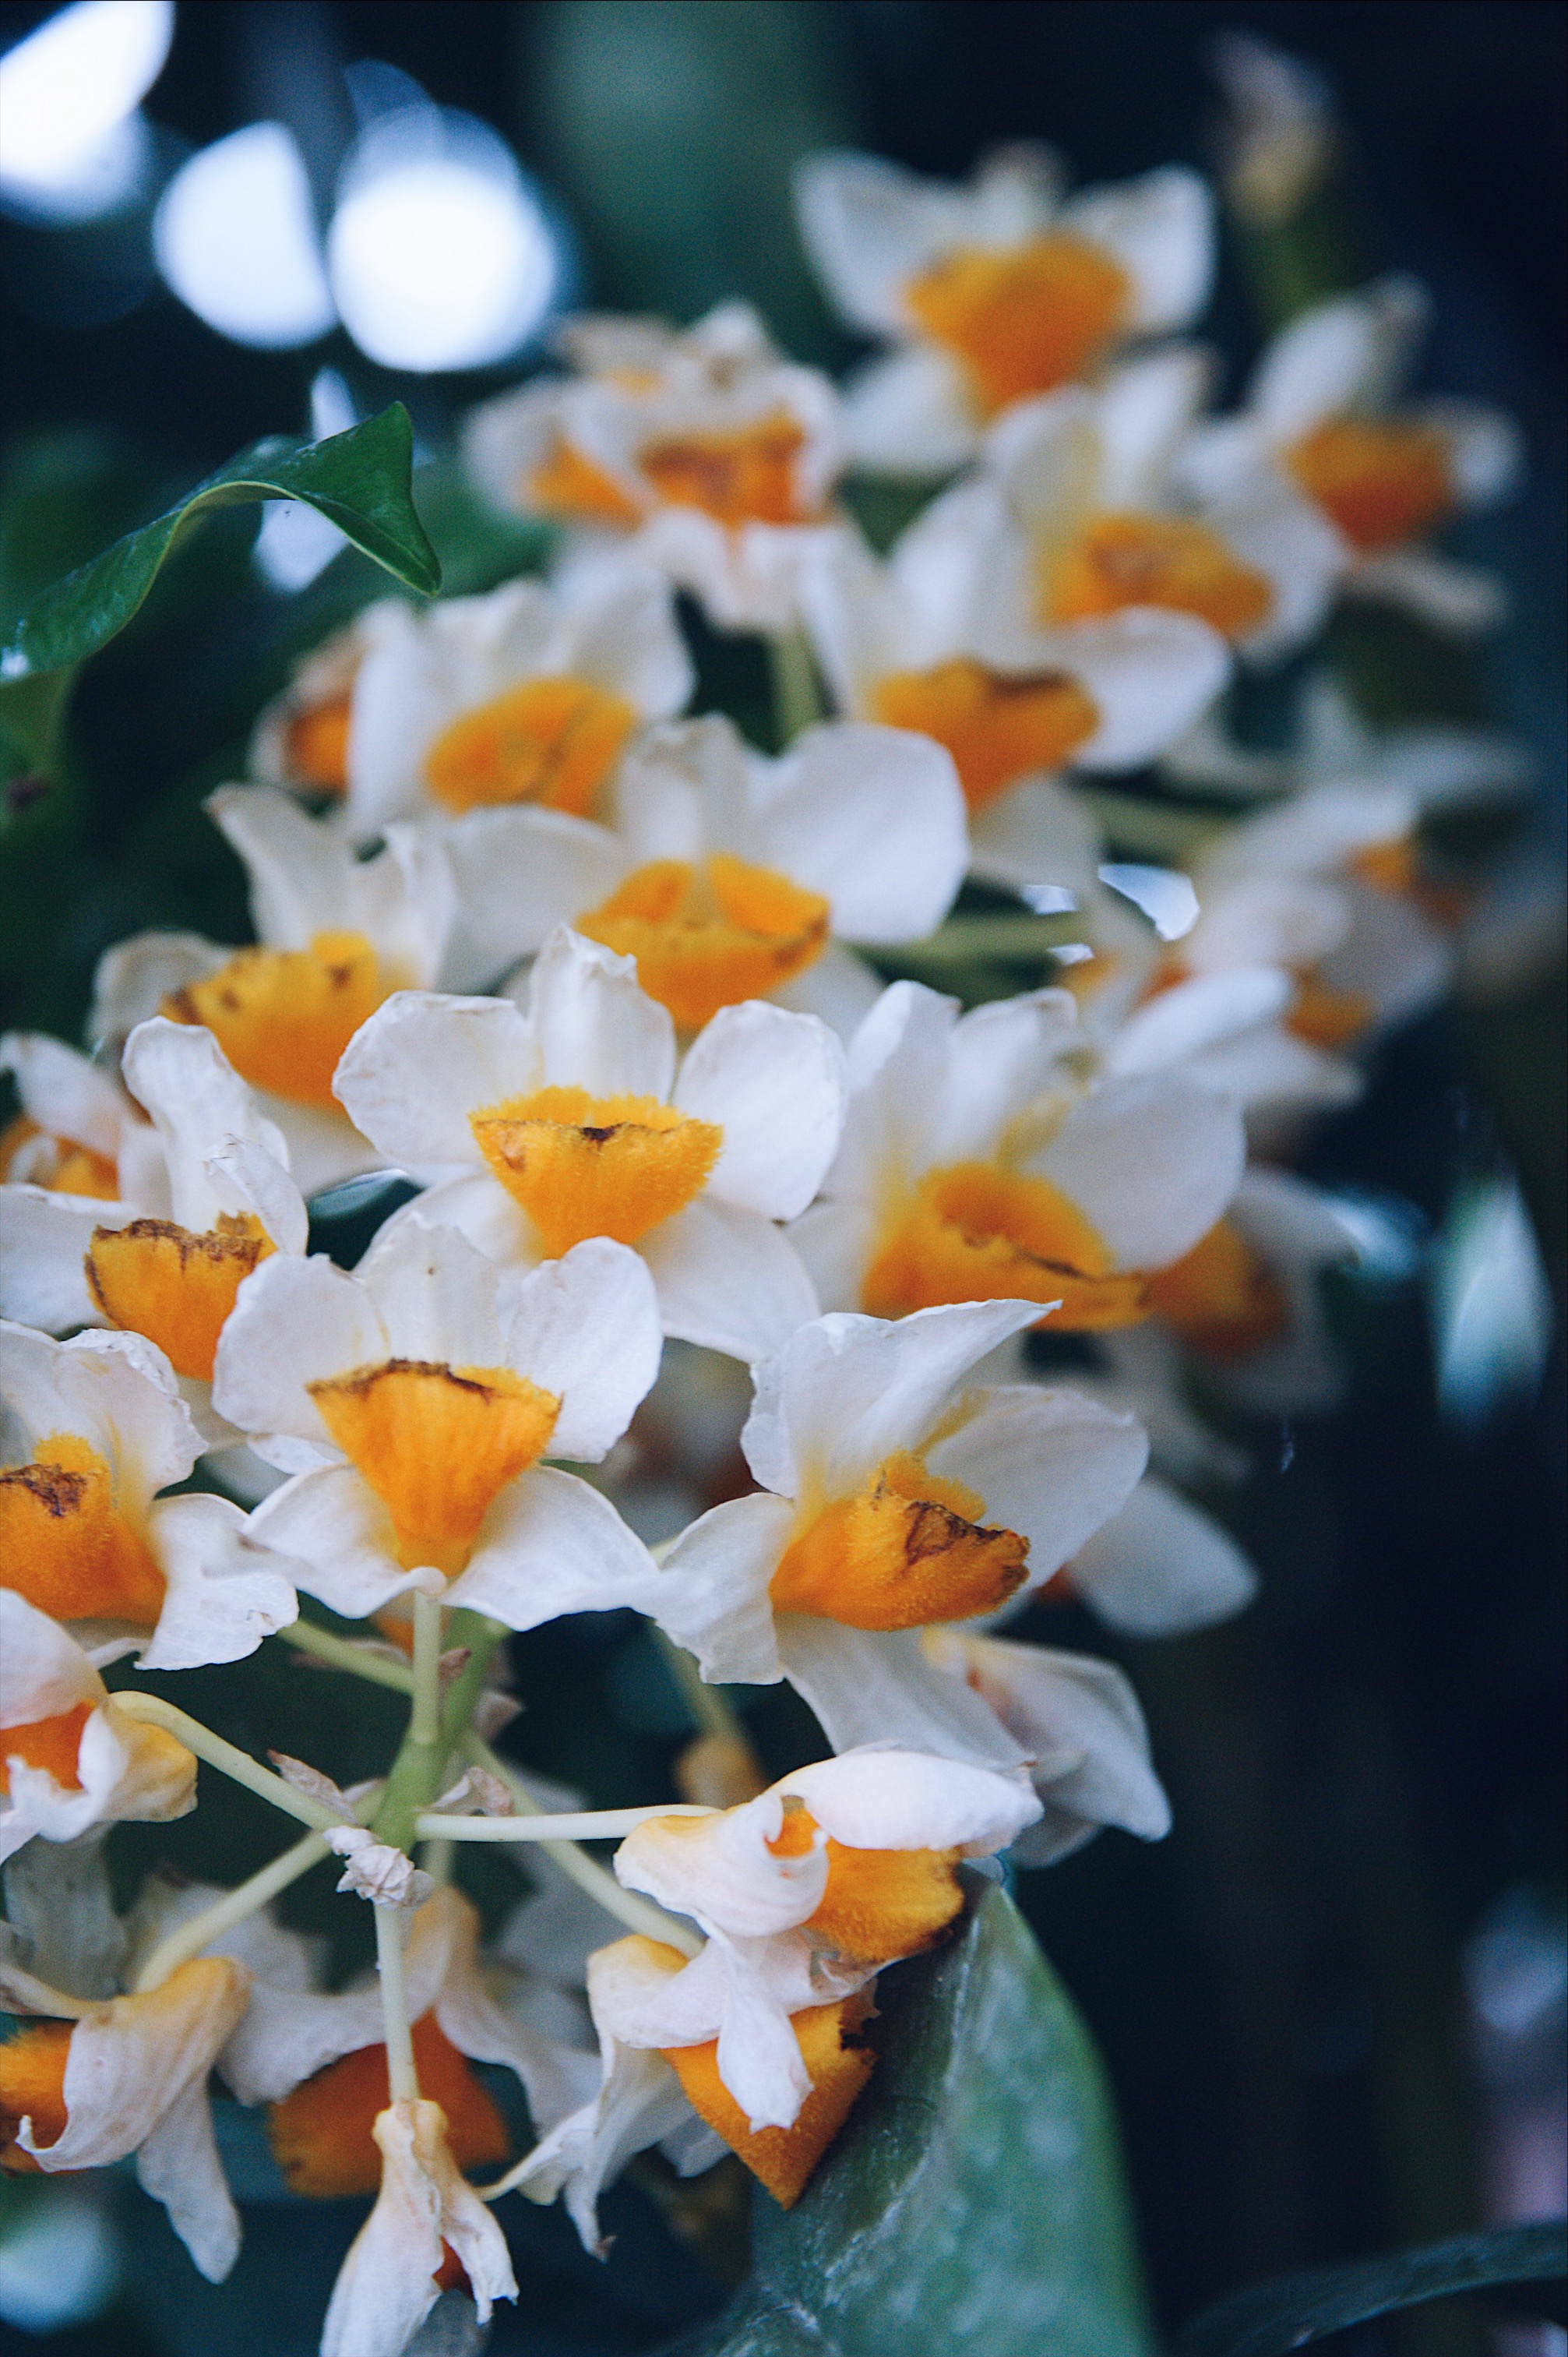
x=78 y=1133
x=1075 y=515
x=717 y=457
x=892 y=1500
x=91 y=2082
x=84 y=1535
x=1323 y=414
x=995 y=292
x=69 y=1758
x=421 y=1407
x=805 y=1893
x=575 y=1120
x=527 y=695
x=976 y=1165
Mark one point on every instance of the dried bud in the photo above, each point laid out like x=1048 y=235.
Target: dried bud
x=456 y=1658
x=493 y=1711
x=376 y=1871
x=313 y=1784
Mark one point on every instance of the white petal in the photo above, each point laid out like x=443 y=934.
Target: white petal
x=714 y=1600
x=337 y=1540
x=301 y=871
x=1196 y=1015
x=1050 y=1465
x=909 y=414
x=587 y=1327
x=196 y=1101
x=837 y=1242
x=323 y=1144
x=43 y=1240
x=1160 y=227
x=1000 y=1058
x=594 y=1028
x=1161 y=1566
x=413 y=1074
x=118 y=1391
x=434 y=1293
x=178 y=2164
x=1034 y=835
x=837 y=987
x=728 y=1279
x=520 y=873
x=640 y=2102
x=243 y=1178
x=869 y=226
x=130 y=2059
x=1301 y=557
x=873 y=818
x=775 y=1083
x=43 y=1673
x=1144 y=411
x=548 y=1545
x=387 y=2285
x=1269 y=1070
x=479 y=1207
x=295 y=1323
x=846 y=1392
x=886 y=1799
x=1460 y=598
x=868 y=1687
x=134 y=976
x=1485 y=449
x=1152 y=1160
x=1342 y=356
x=721 y=1872
x=65 y=1092
x=1151 y=675
x=223 y=1597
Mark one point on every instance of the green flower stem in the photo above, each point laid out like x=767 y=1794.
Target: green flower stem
x=1164 y=832
x=342 y=1654
x=415 y=1775
x=402 y=2078
x=961 y=941
x=638 y=1914
x=153 y=1711
x=797 y=698
x=581 y=1824
x=424 y=1719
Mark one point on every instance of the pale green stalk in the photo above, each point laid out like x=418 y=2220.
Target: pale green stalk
x=581 y=1824
x=153 y=1711
x=402 y=2079
x=797 y=700
x=424 y=1719
x=340 y=1653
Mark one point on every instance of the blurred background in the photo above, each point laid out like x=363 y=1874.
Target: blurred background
x=1332 y=2003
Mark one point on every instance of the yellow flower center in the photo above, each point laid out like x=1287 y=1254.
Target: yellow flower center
x=72 y=1169
x=711 y=935
x=32 y=2087
x=1022 y=322
x=1120 y=560
x=1329 y=1019
x=568 y=484
x=997 y=729
x=1220 y=1295
x=748 y=474
x=284 y=1018
x=879 y=1903
x=551 y=741
x=975 y=1233
x=583 y=1165
x=1382 y=481
x=438 y=1445
x=316 y=745
x=51 y=1744
x=906 y=1550
x=66 y=1546
x=320 y=2133
x=174 y=1287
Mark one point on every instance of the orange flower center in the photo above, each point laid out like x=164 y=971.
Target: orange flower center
x=567 y=484
x=974 y=1233
x=65 y=1546
x=1329 y=1019
x=32 y=2087
x=176 y=1288
x=438 y=1445
x=583 y=1165
x=1024 y=322
x=879 y=1904
x=909 y=1549
x=320 y=2134
x=748 y=474
x=51 y=1744
x=551 y=741
x=1116 y=560
x=1221 y=1297
x=1382 y=481
x=284 y=1018
x=71 y=1169
x=709 y=936
x=315 y=746
x=997 y=729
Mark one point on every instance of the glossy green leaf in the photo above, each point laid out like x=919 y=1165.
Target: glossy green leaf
x=359 y=481
x=1271 y=2318
x=975 y=2201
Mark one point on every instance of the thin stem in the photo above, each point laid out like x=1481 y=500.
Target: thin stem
x=436 y=1857
x=710 y=1707
x=153 y=1711
x=960 y=941
x=638 y=1914
x=416 y=1772
x=797 y=699
x=424 y=1719
x=342 y=1653
x=582 y=1825
x=402 y=2078
x=246 y=1899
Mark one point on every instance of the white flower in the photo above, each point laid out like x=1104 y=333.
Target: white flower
x=1323 y=414
x=910 y=642
x=805 y=1892
x=69 y=1758
x=994 y=292
x=976 y=1163
x=420 y=1407
x=525 y=695
x=891 y=1500
x=717 y=457
x=97 y=1428
x=388 y=2285
x=1162 y=1567
x=1076 y=515
x=575 y=1120
x=1078 y=1720
x=129 y=2076
x=1279 y=137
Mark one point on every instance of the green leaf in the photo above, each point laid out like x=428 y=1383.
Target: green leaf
x=1269 y=2320
x=975 y=2200
x=359 y=481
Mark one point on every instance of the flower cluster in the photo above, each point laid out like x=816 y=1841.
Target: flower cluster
x=631 y=1011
